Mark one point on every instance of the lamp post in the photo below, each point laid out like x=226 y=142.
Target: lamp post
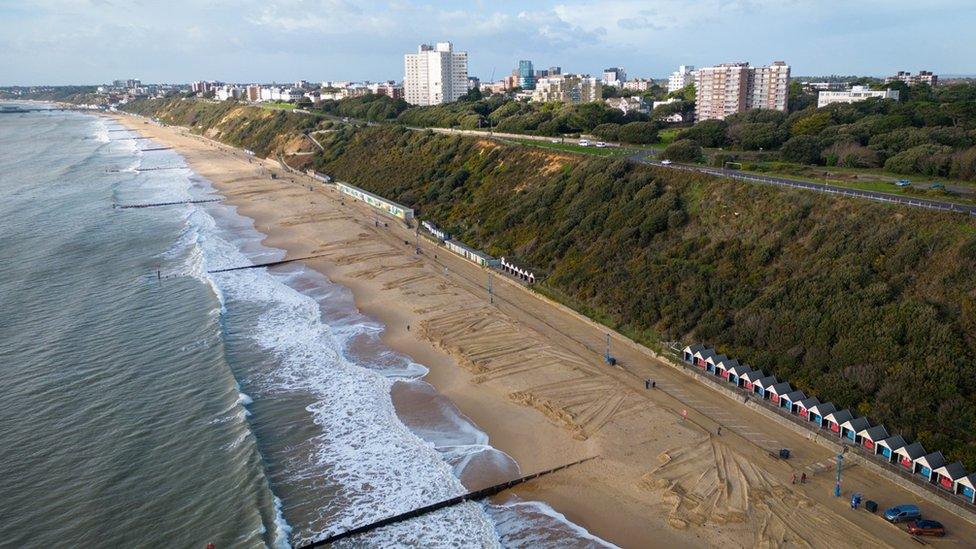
x=840 y=466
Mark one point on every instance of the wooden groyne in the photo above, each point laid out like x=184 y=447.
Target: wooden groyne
x=156 y=149
x=470 y=496
x=128 y=138
x=269 y=264
x=156 y=204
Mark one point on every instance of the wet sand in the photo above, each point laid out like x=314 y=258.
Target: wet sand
x=530 y=374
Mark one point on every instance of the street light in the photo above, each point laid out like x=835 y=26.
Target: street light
x=840 y=465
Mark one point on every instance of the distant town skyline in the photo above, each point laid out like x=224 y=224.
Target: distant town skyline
x=95 y=41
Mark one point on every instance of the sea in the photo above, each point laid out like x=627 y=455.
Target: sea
x=145 y=402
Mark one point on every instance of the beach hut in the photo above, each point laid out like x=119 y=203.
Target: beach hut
x=750 y=378
x=906 y=455
x=761 y=386
x=790 y=399
x=736 y=373
x=818 y=411
x=947 y=475
x=722 y=367
x=926 y=465
x=869 y=437
x=689 y=353
x=850 y=428
x=701 y=356
x=776 y=391
x=886 y=447
x=802 y=407
x=711 y=361
x=966 y=487
x=833 y=420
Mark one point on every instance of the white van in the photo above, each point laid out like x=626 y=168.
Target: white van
x=584 y=143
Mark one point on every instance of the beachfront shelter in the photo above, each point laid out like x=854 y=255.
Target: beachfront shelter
x=750 y=378
x=761 y=386
x=802 y=407
x=926 y=465
x=701 y=356
x=789 y=399
x=869 y=437
x=818 y=411
x=947 y=475
x=906 y=455
x=722 y=367
x=736 y=372
x=886 y=447
x=776 y=391
x=689 y=352
x=966 y=487
x=850 y=428
x=834 y=420
x=711 y=361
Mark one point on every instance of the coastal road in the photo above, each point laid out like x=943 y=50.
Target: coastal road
x=646 y=158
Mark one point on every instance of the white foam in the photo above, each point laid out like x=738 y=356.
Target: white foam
x=533 y=524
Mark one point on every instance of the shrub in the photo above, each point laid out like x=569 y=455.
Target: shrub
x=683 y=150
x=803 y=149
x=607 y=132
x=923 y=159
x=639 y=133
x=753 y=136
x=707 y=133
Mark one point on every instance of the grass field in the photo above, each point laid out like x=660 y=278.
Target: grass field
x=278 y=106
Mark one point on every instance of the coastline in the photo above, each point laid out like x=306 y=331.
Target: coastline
x=567 y=407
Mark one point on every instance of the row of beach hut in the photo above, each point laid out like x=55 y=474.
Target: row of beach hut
x=874 y=439
x=516 y=271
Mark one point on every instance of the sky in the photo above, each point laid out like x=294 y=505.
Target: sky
x=96 y=41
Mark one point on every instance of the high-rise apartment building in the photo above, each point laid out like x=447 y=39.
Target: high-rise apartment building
x=526 y=75
x=680 y=78
x=568 y=88
x=435 y=74
x=736 y=87
x=253 y=93
x=614 y=76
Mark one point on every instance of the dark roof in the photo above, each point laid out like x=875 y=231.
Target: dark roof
x=740 y=369
x=876 y=433
x=894 y=442
x=729 y=363
x=840 y=416
x=859 y=423
x=914 y=450
x=825 y=408
x=795 y=396
x=935 y=459
x=767 y=381
x=718 y=358
x=695 y=347
x=809 y=402
x=781 y=388
x=955 y=470
x=754 y=375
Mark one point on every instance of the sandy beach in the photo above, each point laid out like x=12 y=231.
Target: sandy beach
x=531 y=375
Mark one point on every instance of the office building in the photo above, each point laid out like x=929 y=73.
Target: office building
x=639 y=84
x=680 y=78
x=614 y=76
x=855 y=94
x=526 y=75
x=568 y=88
x=736 y=87
x=923 y=77
x=435 y=74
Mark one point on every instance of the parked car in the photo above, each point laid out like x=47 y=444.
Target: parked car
x=666 y=162
x=584 y=143
x=554 y=141
x=600 y=144
x=937 y=185
x=926 y=528
x=903 y=183
x=902 y=513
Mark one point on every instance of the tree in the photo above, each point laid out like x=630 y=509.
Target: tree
x=799 y=99
x=686 y=93
x=707 y=133
x=607 y=132
x=683 y=150
x=803 y=149
x=639 y=133
x=753 y=136
x=812 y=125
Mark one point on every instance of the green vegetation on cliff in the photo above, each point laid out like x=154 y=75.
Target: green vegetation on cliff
x=869 y=305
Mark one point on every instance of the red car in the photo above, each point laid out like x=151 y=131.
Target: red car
x=926 y=528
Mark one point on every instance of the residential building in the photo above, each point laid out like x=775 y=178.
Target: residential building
x=568 y=88
x=614 y=76
x=639 y=84
x=676 y=117
x=204 y=87
x=825 y=86
x=253 y=93
x=855 y=94
x=923 y=77
x=226 y=92
x=628 y=104
x=474 y=83
x=388 y=88
x=435 y=74
x=526 y=75
x=736 y=87
x=680 y=78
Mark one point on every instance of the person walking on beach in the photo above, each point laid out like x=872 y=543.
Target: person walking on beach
x=803 y=478
x=719 y=430
x=794 y=479
x=647 y=384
